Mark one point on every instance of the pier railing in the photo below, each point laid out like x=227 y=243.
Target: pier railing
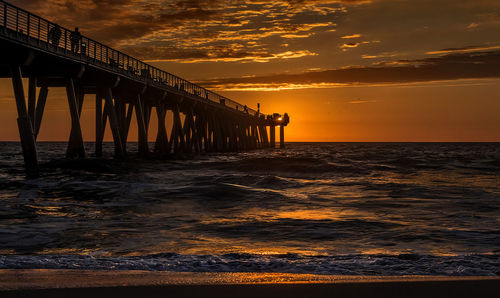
x=38 y=32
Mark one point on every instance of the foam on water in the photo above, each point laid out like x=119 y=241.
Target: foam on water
x=404 y=264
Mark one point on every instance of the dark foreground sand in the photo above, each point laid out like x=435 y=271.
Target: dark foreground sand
x=83 y=283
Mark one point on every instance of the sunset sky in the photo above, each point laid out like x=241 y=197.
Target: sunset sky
x=381 y=70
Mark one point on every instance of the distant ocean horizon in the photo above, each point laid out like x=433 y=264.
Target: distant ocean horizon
x=353 y=208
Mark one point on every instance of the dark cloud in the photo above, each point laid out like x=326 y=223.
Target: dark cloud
x=187 y=25
x=116 y=20
x=299 y=2
x=466 y=49
x=216 y=53
x=477 y=65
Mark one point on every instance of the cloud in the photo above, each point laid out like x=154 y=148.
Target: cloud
x=477 y=65
x=361 y=101
x=491 y=19
x=214 y=54
x=380 y=56
x=465 y=49
x=351 y=36
x=309 y=2
x=351 y=45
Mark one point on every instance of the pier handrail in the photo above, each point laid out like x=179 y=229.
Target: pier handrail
x=35 y=31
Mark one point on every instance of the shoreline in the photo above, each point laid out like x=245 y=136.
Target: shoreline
x=89 y=283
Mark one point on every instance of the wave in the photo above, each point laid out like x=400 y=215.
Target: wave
x=374 y=264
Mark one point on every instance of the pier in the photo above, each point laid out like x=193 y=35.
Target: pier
x=50 y=56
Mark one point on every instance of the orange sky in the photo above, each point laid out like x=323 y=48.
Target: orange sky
x=386 y=70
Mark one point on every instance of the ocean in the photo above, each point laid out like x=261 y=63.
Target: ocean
x=321 y=208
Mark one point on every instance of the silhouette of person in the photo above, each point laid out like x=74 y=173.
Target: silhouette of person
x=75 y=38
x=55 y=35
x=245 y=108
x=83 y=48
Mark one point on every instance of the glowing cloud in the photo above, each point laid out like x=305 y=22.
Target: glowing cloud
x=351 y=36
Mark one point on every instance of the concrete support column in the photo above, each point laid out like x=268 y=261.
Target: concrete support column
x=75 y=144
x=25 y=126
x=163 y=145
x=141 y=126
x=126 y=128
x=40 y=107
x=282 y=136
x=272 y=136
x=32 y=99
x=109 y=106
x=99 y=129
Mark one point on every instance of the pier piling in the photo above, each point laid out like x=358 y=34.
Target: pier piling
x=272 y=134
x=282 y=136
x=40 y=107
x=24 y=124
x=75 y=143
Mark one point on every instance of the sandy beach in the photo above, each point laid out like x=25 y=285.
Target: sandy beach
x=87 y=283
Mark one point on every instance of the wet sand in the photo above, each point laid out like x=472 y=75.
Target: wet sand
x=85 y=283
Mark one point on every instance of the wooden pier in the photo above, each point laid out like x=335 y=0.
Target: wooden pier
x=55 y=57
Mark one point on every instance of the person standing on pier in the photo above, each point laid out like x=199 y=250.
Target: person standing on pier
x=75 y=39
x=55 y=35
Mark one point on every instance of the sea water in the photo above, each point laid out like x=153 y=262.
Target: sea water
x=323 y=208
